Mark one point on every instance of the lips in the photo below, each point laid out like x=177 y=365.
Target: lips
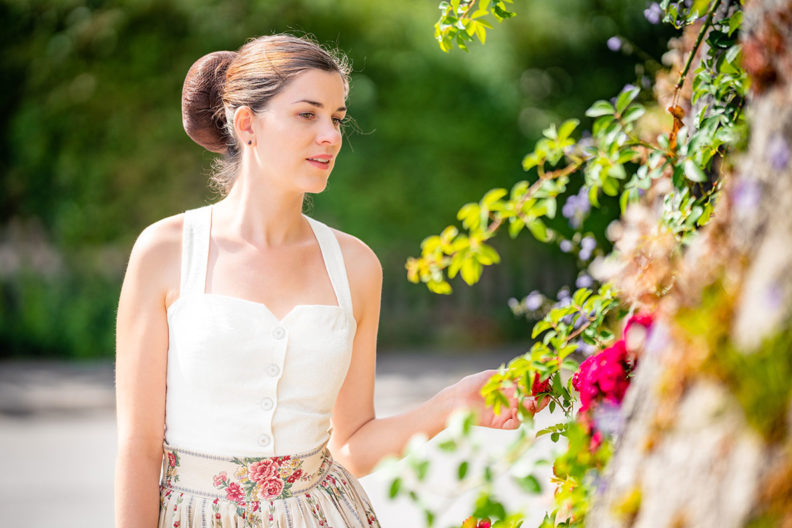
x=321 y=161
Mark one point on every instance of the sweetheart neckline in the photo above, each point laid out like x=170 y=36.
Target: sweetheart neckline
x=280 y=321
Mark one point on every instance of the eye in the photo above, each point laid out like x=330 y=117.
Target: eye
x=307 y=115
x=338 y=121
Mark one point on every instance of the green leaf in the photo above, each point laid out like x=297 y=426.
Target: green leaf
x=567 y=128
x=530 y=484
x=592 y=195
x=462 y=470
x=515 y=226
x=539 y=230
x=633 y=113
x=625 y=98
x=488 y=255
x=448 y=445
x=421 y=469
x=493 y=196
x=471 y=270
x=693 y=172
x=395 y=487
x=532 y=160
x=600 y=108
x=540 y=327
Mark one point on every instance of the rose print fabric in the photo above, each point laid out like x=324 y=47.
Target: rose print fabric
x=296 y=491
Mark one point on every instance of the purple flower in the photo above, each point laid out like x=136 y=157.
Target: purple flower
x=576 y=207
x=608 y=418
x=774 y=297
x=588 y=243
x=584 y=281
x=653 y=13
x=533 y=301
x=563 y=295
x=659 y=338
x=584 y=254
x=566 y=246
x=746 y=195
x=778 y=152
x=614 y=43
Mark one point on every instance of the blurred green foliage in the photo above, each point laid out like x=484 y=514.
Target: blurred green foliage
x=92 y=149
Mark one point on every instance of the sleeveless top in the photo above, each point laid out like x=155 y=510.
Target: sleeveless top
x=240 y=381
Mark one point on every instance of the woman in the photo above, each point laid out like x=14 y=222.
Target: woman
x=246 y=330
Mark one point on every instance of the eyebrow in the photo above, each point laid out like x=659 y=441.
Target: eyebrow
x=318 y=104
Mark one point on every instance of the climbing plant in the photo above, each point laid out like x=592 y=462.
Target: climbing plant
x=664 y=156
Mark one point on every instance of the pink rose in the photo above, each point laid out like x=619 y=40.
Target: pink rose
x=234 y=492
x=603 y=375
x=595 y=442
x=171 y=460
x=220 y=478
x=262 y=470
x=271 y=488
x=644 y=320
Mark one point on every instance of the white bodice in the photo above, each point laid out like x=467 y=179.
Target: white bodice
x=242 y=382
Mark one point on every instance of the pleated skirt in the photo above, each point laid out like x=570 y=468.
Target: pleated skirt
x=308 y=490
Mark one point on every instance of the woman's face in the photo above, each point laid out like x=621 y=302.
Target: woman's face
x=298 y=134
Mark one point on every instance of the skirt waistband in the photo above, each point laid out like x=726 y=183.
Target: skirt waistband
x=243 y=479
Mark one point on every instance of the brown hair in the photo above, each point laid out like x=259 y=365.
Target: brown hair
x=220 y=82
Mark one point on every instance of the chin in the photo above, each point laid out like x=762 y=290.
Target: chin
x=316 y=187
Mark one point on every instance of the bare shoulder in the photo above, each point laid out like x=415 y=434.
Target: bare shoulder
x=364 y=271
x=360 y=259
x=161 y=239
x=156 y=255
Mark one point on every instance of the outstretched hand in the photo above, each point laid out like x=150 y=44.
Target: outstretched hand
x=468 y=395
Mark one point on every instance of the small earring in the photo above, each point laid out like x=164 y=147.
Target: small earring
x=250 y=141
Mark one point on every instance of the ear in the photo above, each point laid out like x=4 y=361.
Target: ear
x=243 y=124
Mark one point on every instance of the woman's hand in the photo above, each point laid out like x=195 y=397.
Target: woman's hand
x=467 y=394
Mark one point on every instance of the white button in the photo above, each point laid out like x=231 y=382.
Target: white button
x=279 y=332
x=264 y=440
x=273 y=370
x=267 y=403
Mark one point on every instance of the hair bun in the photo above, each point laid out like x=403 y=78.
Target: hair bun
x=202 y=114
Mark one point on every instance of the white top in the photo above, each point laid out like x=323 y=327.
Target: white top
x=242 y=382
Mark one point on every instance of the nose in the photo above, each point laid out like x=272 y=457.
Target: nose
x=329 y=134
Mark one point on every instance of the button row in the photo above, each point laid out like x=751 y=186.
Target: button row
x=272 y=370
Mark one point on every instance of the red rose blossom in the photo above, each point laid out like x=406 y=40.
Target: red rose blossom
x=220 y=478
x=171 y=460
x=644 y=320
x=539 y=386
x=234 y=492
x=262 y=470
x=603 y=376
x=271 y=488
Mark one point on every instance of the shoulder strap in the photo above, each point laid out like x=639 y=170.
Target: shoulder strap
x=334 y=262
x=195 y=250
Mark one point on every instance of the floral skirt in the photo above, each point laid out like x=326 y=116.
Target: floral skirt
x=307 y=490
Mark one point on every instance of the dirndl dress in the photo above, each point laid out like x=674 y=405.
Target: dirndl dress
x=248 y=403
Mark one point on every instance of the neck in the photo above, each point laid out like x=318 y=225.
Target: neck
x=264 y=216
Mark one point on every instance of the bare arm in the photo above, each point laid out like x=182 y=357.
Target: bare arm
x=141 y=362
x=360 y=440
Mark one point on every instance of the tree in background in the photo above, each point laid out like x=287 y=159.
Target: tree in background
x=92 y=149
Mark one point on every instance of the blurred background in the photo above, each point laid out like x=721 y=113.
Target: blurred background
x=92 y=148
x=92 y=151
